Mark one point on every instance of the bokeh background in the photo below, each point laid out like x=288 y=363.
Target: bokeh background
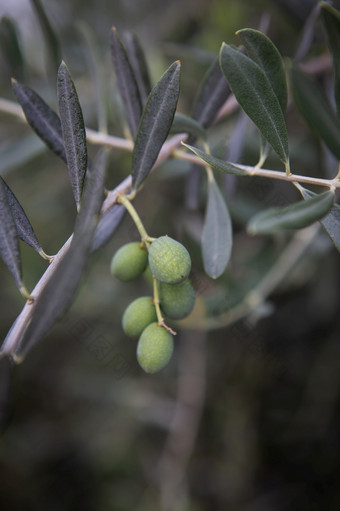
x=246 y=416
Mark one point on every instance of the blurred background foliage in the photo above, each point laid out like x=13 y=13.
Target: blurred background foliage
x=245 y=417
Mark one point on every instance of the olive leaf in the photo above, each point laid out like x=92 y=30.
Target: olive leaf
x=217 y=163
x=107 y=225
x=331 y=20
x=217 y=237
x=316 y=110
x=11 y=47
x=52 y=41
x=155 y=123
x=331 y=222
x=254 y=93
x=9 y=243
x=42 y=119
x=262 y=50
x=73 y=129
x=184 y=124
x=127 y=82
x=212 y=95
x=295 y=216
x=59 y=291
x=23 y=226
x=139 y=65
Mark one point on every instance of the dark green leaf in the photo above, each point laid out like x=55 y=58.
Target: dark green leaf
x=127 y=82
x=217 y=235
x=185 y=124
x=211 y=96
x=139 y=65
x=331 y=20
x=73 y=129
x=107 y=226
x=261 y=49
x=315 y=108
x=295 y=216
x=9 y=244
x=58 y=293
x=22 y=224
x=217 y=163
x=51 y=38
x=331 y=222
x=42 y=119
x=254 y=93
x=11 y=47
x=155 y=123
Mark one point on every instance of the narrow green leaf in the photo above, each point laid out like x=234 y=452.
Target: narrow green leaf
x=295 y=216
x=212 y=95
x=23 y=226
x=42 y=119
x=11 y=47
x=107 y=226
x=139 y=65
x=331 y=20
x=331 y=222
x=9 y=244
x=58 y=293
x=127 y=82
x=52 y=41
x=315 y=108
x=262 y=50
x=254 y=93
x=155 y=123
x=73 y=129
x=217 y=235
x=217 y=163
x=184 y=124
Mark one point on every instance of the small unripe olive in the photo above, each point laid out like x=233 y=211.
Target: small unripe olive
x=169 y=260
x=129 y=261
x=177 y=300
x=138 y=315
x=154 y=348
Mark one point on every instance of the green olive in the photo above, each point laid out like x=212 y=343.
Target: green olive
x=177 y=300
x=138 y=315
x=169 y=260
x=130 y=261
x=155 y=348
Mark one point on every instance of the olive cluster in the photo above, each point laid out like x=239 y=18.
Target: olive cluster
x=170 y=265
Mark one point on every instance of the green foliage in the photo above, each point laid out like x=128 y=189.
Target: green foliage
x=155 y=348
x=130 y=261
x=152 y=114
x=169 y=260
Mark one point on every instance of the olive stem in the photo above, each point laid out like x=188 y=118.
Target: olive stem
x=156 y=302
x=122 y=199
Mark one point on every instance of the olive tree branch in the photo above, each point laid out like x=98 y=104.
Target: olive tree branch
x=18 y=328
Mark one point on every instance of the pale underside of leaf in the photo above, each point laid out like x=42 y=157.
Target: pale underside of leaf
x=217 y=233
